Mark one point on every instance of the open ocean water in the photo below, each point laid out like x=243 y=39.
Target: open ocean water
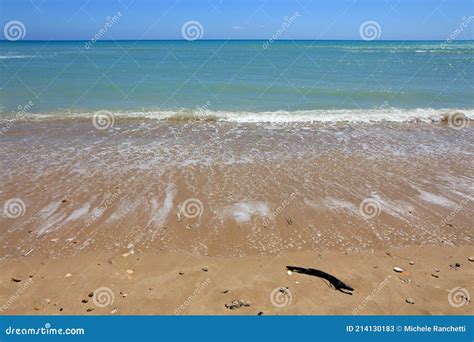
x=243 y=81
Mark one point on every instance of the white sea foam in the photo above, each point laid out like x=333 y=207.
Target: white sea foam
x=242 y=212
x=436 y=199
x=280 y=117
x=158 y=214
x=332 y=204
x=16 y=56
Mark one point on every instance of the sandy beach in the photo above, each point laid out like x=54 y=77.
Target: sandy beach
x=212 y=213
x=187 y=284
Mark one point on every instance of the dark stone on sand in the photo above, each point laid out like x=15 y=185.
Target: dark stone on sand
x=85 y=301
x=91 y=294
x=260 y=313
x=237 y=304
x=16 y=280
x=205 y=269
x=90 y=309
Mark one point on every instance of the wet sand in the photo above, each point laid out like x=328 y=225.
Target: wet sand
x=243 y=201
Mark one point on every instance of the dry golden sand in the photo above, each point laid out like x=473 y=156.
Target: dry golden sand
x=171 y=283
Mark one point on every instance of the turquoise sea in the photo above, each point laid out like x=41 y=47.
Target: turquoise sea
x=238 y=79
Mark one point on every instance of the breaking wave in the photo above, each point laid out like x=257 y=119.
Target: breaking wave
x=301 y=116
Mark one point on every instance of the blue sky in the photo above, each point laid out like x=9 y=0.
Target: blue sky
x=239 y=19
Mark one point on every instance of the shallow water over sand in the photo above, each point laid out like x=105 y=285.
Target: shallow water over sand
x=234 y=189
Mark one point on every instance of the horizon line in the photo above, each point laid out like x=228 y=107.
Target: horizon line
x=223 y=39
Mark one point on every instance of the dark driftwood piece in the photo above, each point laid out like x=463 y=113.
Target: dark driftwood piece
x=336 y=283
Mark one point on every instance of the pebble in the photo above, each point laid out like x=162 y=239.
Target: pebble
x=410 y=301
x=114 y=311
x=205 y=269
x=54 y=240
x=68 y=275
x=236 y=304
x=434 y=275
x=16 y=280
x=90 y=309
x=85 y=301
x=455 y=266
x=181 y=273
x=91 y=294
x=130 y=271
x=289 y=272
x=471 y=259
x=398 y=269
x=125 y=254
x=411 y=262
